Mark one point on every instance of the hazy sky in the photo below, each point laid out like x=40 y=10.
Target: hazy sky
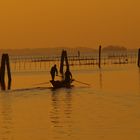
x=71 y=23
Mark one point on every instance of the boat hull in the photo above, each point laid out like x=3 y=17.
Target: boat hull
x=61 y=84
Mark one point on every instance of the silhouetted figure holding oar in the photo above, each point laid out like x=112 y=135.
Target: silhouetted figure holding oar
x=53 y=72
x=68 y=76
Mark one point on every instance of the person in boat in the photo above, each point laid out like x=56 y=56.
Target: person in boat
x=68 y=76
x=53 y=72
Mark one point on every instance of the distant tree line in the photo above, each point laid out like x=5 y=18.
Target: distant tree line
x=112 y=48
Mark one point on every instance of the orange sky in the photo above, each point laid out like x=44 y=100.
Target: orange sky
x=71 y=23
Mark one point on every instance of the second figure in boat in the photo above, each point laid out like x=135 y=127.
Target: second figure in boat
x=68 y=76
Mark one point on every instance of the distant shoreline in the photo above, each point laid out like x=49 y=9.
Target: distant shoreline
x=57 y=51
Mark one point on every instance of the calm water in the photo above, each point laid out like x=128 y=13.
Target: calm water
x=107 y=109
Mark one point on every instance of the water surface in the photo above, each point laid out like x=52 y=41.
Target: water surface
x=107 y=109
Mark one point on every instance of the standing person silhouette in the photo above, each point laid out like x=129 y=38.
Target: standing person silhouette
x=53 y=72
x=68 y=76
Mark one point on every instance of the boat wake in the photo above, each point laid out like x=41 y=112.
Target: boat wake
x=39 y=89
x=28 y=89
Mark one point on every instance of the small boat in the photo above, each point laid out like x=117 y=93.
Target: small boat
x=61 y=84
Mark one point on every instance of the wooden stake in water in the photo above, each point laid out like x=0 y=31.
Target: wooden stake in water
x=5 y=62
x=100 y=56
x=64 y=57
x=139 y=58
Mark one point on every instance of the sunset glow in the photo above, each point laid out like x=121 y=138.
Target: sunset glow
x=56 y=23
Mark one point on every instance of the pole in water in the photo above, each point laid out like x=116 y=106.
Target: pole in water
x=64 y=57
x=8 y=71
x=62 y=62
x=5 y=62
x=100 y=56
x=2 y=73
x=79 y=57
x=139 y=58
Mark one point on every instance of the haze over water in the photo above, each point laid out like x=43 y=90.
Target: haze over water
x=53 y=23
x=107 y=109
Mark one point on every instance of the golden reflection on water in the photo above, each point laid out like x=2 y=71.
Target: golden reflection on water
x=6 y=118
x=107 y=109
x=139 y=78
x=60 y=115
x=100 y=78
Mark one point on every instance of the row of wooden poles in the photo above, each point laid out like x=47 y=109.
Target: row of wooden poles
x=41 y=63
x=5 y=63
x=99 y=64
